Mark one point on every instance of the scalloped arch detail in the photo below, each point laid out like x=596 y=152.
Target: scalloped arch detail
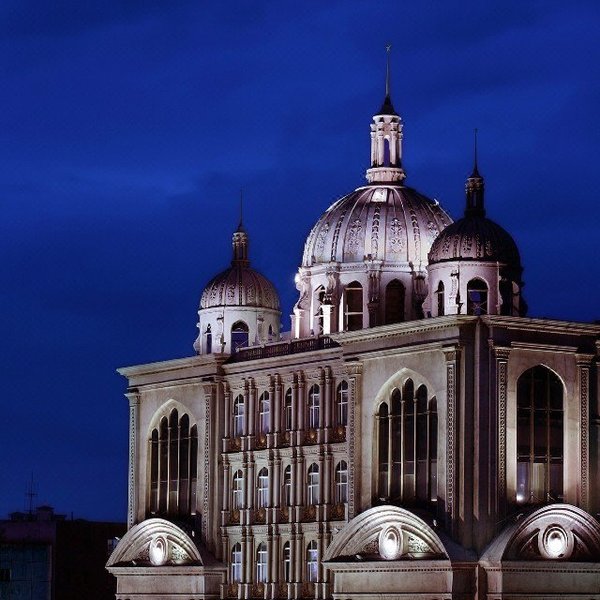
x=135 y=545
x=361 y=535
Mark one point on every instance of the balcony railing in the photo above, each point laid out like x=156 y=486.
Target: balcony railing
x=283 y=349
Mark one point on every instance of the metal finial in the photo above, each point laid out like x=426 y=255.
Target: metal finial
x=240 y=226
x=388 y=47
x=475 y=150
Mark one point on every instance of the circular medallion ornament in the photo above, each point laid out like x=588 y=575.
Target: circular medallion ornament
x=390 y=543
x=555 y=542
x=158 y=551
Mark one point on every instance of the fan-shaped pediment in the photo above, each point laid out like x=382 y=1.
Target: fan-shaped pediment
x=386 y=533
x=554 y=532
x=155 y=542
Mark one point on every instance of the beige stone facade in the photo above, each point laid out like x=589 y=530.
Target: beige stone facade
x=447 y=449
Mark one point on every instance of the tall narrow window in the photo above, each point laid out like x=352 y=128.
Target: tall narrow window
x=441 y=302
x=239 y=335
x=353 y=295
x=314 y=405
x=237 y=491
x=261 y=563
x=341 y=482
x=173 y=464
x=264 y=413
x=407 y=447
x=236 y=563
x=540 y=437
x=208 y=336
x=313 y=484
x=477 y=297
x=287 y=562
x=319 y=298
x=239 y=416
x=287 y=410
x=341 y=408
x=287 y=486
x=394 y=302
x=312 y=562
x=262 y=492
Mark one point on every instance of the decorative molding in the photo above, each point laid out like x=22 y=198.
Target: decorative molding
x=208 y=392
x=132 y=499
x=583 y=370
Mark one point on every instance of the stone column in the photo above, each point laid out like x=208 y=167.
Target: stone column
x=299 y=483
x=354 y=430
x=250 y=482
x=227 y=423
x=452 y=357
x=327 y=398
x=132 y=479
x=276 y=492
x=226 y=484
x=327 y=462
x=277 y=403
x=583 y=384
x=501 y=355
x=251 y=414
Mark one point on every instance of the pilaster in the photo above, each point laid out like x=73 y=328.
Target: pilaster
x=132 y=487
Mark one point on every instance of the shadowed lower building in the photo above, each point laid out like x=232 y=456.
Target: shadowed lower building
x=416 y=435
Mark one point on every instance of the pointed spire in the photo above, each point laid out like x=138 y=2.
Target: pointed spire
x=240 y=239
x=474 y=188
x=387 y=108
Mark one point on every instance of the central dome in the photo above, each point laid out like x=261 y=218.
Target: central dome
x=393 y=224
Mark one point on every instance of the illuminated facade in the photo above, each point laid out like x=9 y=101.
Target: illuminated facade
x=414 y=436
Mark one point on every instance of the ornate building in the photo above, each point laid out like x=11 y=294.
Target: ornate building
x=414 y=436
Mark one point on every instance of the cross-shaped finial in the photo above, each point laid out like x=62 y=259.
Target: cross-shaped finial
x=388 y=47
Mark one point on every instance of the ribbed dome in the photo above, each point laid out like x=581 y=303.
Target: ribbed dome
x=240 y=285
x=475 y=238
x=391 y=223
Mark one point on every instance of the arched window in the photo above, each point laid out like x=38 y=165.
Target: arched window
x=394 y=302
x=287 y=410
x=287 y=486
x=477 y=297
x=341 y=482
x=236 y=563
x=261 y=563
x=173 y=465
x=441 y=302
x=407 y=447
x=313 y=484
x=262 y=490
x=540 y=437
x=314 y=405
x=341 y=404
x=264 y=413
x=287 y=562
x=237 y=491
x=239 y=336
x=353 y=309
x=239 y=416
x=312 y=562
x=208 y=338
x=270 y=333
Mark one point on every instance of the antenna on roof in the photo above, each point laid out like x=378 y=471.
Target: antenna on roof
x=475 y=169
x=241 y=226
x=30 y=494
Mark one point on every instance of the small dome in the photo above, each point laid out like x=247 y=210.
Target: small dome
x=240 y=285
x=475 y=238
x=392 y=223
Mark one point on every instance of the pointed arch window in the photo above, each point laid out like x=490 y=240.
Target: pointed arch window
x=314 y=406
x=239 y=336
x=264 y=413
x=353 y=306
x=313 y=484
x=341 y=404
x=261 y=563
x=239 y=416
x=262 y=489
x=173 y=466
x=237 y=491
x=236 y=563
x=287 y=410
x=312 y=562
x=407 y=447
x=341 y=482
x=395 y=294
x=441 y=302
x=540 y=437
x=477 y=297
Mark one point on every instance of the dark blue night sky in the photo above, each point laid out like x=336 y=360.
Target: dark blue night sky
x=128 y=128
